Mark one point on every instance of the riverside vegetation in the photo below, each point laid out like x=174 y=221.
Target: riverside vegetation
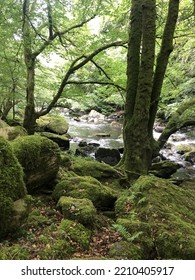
x=84 y=209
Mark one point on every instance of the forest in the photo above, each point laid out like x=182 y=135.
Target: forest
x=97 y=130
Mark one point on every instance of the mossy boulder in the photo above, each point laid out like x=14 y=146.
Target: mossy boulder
x=81 y=210
x=12 y=132
x=125 y=251
x=90 y=167
x=86 y=187
x=63 y=141
x=164 y=169
x=40 y=159
x=75 y=232
x=101 y=171
x=53 y=124
x=12 y=190
x=163 y=216
x=190 y=156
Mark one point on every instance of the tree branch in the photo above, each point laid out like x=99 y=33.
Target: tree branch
x=59 y=34
x=74 y=67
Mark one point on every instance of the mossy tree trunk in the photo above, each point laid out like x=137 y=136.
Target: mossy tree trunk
x=29 y=57
x=143 y=86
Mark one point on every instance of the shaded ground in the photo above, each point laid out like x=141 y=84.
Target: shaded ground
x=37 y=239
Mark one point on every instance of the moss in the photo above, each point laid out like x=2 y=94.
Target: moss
x=12 y=187
x=58 y=250
x=168 y=211
x=39 y=157
x=86 y=187
x=125 y=251
x=36 y=218
x=11 y=174
x=164 y=169
x=90 y=167
x=53 y=123
x=76 y=232
x=81 y=210
x=15 y=252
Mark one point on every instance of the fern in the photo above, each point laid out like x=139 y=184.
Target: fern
x=125 y=234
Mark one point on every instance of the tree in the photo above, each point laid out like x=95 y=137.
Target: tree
x=144 y=86
x=38 y=39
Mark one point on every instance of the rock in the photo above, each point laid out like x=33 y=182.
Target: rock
x=54 y=124
x=184 y=174
x=115 y=124
x=159 y=207
x=12 y=190
x=164 y=169
x=3 y=124
x=93 y=116
x=102 y=135
x=102 y=196
x=182 y=149
x=40 y=159
x=63 y=141
x=75 y=232
x=81 y=210
x=190 y=156
x=12 y=132
x=125 y=250
x=101 y=171
x=84 y=149
x=109 y=156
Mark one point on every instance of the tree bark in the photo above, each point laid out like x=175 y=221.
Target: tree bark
x=137 y=153
x=162 y=59
x=30 y=114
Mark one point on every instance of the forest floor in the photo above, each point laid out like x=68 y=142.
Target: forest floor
x=34 y=240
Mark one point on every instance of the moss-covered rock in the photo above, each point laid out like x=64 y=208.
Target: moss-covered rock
x=164 y=213
x=63 y=141
x=40 y=159
x=12 y=189
x=190 y=156
x=86 y=187
x=164 y=169
x=81 y=210
x=125 y=250
x=101 y=171
x=53 y=123
x=75 y=232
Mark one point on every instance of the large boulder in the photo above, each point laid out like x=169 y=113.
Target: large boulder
x=109 y=156
x=12 y=191
x=81 y=210
x=159 y=217
x=102 y=196
x=53 y=123
x=63 y=141
x=40 y=159
x=12 y=132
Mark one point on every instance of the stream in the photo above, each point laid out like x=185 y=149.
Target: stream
x=111 y=137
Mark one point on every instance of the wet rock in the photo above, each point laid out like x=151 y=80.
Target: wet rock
x=190 y=156
x=184 y=174
x=109 y=156
x=164 y=169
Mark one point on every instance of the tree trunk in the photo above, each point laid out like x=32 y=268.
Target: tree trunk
x=30 y=114
x=137 y=153
x=162 y=59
